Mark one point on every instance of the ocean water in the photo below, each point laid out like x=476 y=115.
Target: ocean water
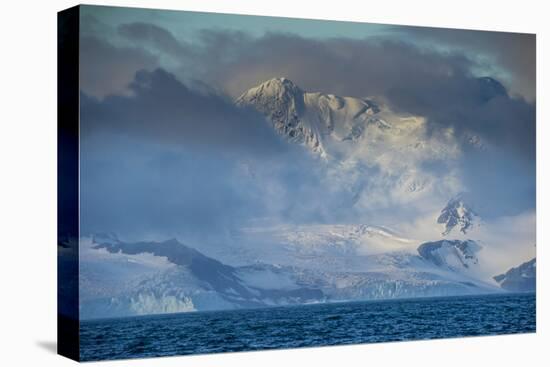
x=307 y=326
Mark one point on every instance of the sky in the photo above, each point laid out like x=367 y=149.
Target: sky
x=165 y=152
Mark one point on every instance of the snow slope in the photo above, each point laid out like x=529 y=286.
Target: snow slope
x=123 y=279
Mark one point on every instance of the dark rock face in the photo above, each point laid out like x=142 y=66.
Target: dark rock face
x=459 y=252
x=520 y=279
x=457 y=214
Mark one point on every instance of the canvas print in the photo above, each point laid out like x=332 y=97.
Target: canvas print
x=236 y=183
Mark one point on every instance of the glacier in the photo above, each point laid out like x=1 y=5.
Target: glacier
x=126 y=279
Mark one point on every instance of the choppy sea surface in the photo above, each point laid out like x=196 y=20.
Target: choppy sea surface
x=307 y=326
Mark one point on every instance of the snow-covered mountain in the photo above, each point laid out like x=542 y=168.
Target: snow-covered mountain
x=312 y=119
x=120 y=279
x=521 y=278
x=458 y=215
x=353 y=136
x=374 y=159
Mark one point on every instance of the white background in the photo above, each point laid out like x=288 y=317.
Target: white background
x=28 y=183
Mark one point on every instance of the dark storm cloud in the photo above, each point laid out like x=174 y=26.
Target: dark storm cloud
x=473 y=107
x=161 y=108
x=237 y=61
x=340 y=66
x=106 y=69
x=515 y=53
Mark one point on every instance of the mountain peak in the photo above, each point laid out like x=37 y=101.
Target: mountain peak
x=313 y=119
x=283 y=103
x=281 y=80
x=280 y=88
x=457 y=214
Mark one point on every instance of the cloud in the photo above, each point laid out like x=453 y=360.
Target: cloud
x=171 y=160
x=167 y=159
x=155 y=36
x=161 y=108
x=242 y=170
x=473 y=107
x=411 y=75
x=106 y=69
x=512 y=56
x=423 y=82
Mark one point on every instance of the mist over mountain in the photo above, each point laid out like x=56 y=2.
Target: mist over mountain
x=283 y=196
